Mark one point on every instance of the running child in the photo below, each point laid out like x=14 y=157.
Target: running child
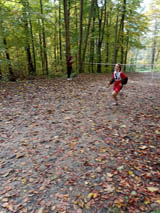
x=119 y=79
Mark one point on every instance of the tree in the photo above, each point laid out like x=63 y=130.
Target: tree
x=37 y=33
x=27 y=35
x=44 y=38
x=81 y=36
x=5 y=45
x=88 y=29
x=67 y=29
x=102 y=23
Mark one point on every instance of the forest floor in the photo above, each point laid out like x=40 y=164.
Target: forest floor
x=64 y=148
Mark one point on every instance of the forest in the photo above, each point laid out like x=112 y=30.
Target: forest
x=37 y=36
x=67 y=145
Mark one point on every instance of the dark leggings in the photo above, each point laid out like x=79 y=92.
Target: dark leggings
x=69 y=70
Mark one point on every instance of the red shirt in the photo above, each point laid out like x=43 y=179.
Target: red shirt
x=69 y=62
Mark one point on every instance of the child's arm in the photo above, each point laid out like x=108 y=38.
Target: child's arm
x=111 y=81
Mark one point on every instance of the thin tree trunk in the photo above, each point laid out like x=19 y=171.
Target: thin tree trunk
x=67 y=33
x=107 y=37
x=0 y=70
x=122 y=30
x=27 y=8
x=60 y=34
x=28 y=51
x=44 y=39
x=55 y=42
x=157 y=57
x=99 y=41
x=77 y=54
x=154 y=44
x=101 y=34
x=33 y=47
x=81 y=36
x=27 y=36
x=41 y=50
x=116 y=39
x=88 y=28
x=55 y=46
x=0 y=73
x=92 y=49
x=126 y=52
x=12 y=76
x=30 y=64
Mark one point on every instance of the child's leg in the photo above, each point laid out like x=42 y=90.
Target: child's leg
x=114 y=95
x=69 y=69
x=120 y=92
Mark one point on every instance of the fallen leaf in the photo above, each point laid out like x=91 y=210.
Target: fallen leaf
x=109 y=175
x=120 y=168
x=147 y=201
x=80 y=203
x=53 y=208
x=157 y=199
x=41 y=210
x=130 y=173
x=143 y=147
x=87 y=206
x=20 y=155
x=109 y=188
x=23 y=180
x=119 y=203
x=92 y=195
x=153 y=189
x=9 y=206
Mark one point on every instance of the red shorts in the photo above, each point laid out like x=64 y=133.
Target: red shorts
x=117 y=88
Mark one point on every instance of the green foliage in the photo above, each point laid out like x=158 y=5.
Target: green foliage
x=16 y=15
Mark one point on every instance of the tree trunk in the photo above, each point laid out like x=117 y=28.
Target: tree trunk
x=116 y=39
x=55 y=41
x=101 y=34
x=122 y=30
x=107 y=37
x=0 y=73
x=41 y=50
x=28 y=50
x=92 y=49
x=30 y=64
x=81 y=36
x=27 y=8
x=60 y=34
x=12 y=76
x=44 y=39
x=55 y=46
x=33 y=47
x=88 y=28
x=67 y=33
x=99 y=41
x=126 y=52
x=27 y=36
x=77 y=54
x=157 y=57
x=154 y=44
x=0 y=70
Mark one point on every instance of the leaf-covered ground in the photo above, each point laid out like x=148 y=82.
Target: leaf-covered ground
x=65 y=148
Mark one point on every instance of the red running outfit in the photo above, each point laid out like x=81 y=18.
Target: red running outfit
x=117 y=79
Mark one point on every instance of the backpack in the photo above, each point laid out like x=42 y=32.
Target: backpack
x=124 y=81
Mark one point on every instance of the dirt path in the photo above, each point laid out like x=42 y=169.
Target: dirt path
x=65 y=148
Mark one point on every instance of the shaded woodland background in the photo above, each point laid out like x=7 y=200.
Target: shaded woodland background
x=37 y=36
